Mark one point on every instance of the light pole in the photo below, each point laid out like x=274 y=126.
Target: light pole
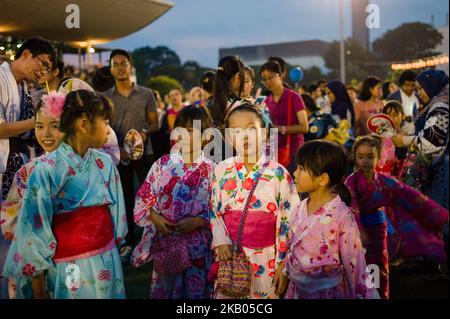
x=342 y=45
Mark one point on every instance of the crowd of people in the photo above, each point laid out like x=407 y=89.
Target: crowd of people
x=220 y=215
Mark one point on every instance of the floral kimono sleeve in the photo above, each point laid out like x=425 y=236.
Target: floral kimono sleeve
x=146 y=197
x=288 y=200
x=217 y=224
x=34 y=244
x=11 y=206
x=352 y=255
x=404 y=198
x=117 y=208
x=145 y=200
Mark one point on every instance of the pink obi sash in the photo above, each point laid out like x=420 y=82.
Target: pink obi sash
x=83 y=233
x=259 y=229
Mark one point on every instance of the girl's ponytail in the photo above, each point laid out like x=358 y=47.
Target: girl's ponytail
x=344 y=193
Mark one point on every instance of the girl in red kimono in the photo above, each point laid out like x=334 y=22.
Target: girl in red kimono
x=417 y=219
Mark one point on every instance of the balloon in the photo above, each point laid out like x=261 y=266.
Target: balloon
x=296 y=74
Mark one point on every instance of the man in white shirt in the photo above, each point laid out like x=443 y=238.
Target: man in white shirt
x=406 y=95
x=33 y=59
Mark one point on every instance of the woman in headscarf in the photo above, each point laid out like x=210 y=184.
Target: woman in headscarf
x=341 y=104
x=431 y=139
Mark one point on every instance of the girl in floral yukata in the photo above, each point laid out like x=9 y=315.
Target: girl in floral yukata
x=326 y=258
x=72 y=212
x=172 y=205
x=417 y=219
x=265 y=231
x=48 y=113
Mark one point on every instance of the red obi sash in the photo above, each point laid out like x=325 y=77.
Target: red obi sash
x=259 y=228
x=83 y=233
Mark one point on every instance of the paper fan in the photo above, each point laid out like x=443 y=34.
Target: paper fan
x=382 y=125
x=133 y=144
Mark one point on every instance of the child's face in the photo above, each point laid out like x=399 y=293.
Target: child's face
x=304 y=180
x=246 y=134
x=396 y=116
x=186 y=139
x=99 y=132
x=366 y=158
x=47 y=132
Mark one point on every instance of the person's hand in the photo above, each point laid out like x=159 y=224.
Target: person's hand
x=189 y=224
x=162 y=225
x=225 y=252
x=143 y=136
x=124 y=156
x=397 y=140
x=280 y=280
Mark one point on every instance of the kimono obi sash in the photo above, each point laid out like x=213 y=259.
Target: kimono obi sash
x=311 y=284
x=373 y=218
x=83 y=233
x=259 y=228
x=377 y=218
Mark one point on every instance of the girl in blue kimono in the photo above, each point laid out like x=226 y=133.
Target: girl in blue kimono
x=72 y=216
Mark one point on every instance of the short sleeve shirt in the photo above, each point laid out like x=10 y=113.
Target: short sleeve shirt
x=131 y=112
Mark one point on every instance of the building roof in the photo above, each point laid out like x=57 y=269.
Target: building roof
x=100 y=20
x=285 y=50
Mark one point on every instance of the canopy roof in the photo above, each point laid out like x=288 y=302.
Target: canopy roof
x=100 y=20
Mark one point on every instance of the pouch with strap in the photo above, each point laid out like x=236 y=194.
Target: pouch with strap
x=234 y=278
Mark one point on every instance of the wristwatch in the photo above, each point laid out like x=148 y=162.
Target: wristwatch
x=283 y=130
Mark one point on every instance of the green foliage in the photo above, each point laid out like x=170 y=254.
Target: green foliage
x=163 y=84
x=408 y=41
x=359 y=62
x=147 y=60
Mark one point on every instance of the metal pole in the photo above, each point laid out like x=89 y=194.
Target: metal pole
x=342 y=45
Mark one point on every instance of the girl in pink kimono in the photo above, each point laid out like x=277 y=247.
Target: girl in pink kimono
x=266 y=226
x=172 y=204
x=325 y=258
x=417 y=219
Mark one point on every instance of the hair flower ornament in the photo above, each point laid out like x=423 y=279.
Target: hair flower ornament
x=53 y=104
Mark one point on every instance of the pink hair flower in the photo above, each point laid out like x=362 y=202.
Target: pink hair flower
x=53 y=104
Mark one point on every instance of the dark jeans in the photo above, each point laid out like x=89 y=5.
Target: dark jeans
x=141 y=168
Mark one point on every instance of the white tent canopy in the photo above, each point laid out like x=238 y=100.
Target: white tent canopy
x=100 y=20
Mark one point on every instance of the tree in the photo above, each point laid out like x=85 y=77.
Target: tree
x=163 y=84
x=312 y=75
x=359 y=62
x=147 y=60
x=408 y=41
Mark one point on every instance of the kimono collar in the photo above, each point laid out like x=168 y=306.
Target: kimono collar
x=375 y=176
x=335 y=202
x=177 y=158
x=66 y=148
x=239 y=164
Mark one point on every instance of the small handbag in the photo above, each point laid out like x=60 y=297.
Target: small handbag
x=171 y=255
x=234 y=278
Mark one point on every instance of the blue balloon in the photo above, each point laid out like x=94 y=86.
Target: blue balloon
x=296 y=74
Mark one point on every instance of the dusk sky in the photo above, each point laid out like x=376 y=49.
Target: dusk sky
x=196 y=29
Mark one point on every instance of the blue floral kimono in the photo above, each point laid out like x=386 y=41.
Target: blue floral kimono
x=62 y=185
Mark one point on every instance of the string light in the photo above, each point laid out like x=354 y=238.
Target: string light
x=421 y=63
